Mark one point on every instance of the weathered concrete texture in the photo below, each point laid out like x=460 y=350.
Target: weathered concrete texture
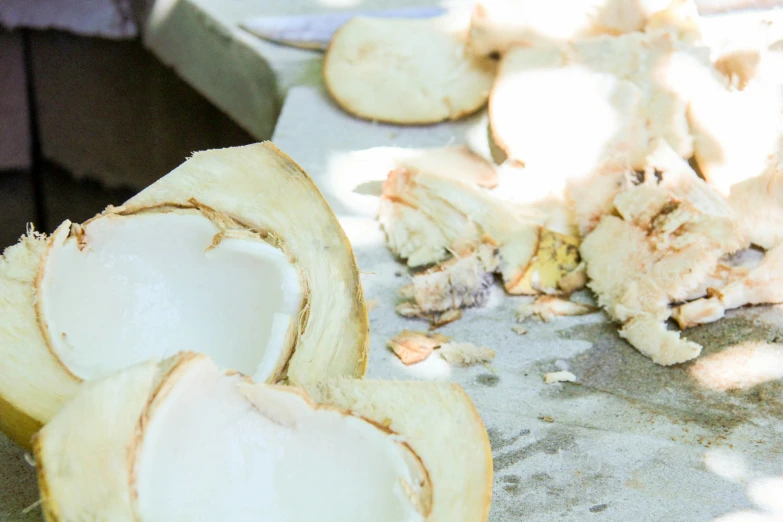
x=110 y=111
x=14 y=118
x=105 y=18
x=629 y=440
x=202 y=41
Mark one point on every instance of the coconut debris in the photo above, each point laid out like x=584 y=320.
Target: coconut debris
x=548 y=307
x=561 y=376
x=466 y=235
x=413 y=347
x=465 y=354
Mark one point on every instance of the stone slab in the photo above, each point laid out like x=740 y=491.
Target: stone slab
x=629 y=440
x=242 y=75
x=14 y=117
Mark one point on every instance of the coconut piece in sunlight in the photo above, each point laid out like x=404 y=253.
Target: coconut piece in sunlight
x=234 y=254
x=672 y=231
x=547 y=307
x=737 y=132
x=428 y=218
x=374 y=164
x=762 y=285
x=413 y=347
x=562 y=110
x=497 y=25
x=183 y=440
x=464 y=281
x=465 y=354
x=759 y=203
x=406 y=71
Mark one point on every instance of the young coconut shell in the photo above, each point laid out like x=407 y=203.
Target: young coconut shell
x=342 y=450
x=236 y=245
x=406 y=71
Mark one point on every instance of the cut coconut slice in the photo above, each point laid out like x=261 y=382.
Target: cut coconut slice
x=406 y=71
x=184 y=441
x=234 y=254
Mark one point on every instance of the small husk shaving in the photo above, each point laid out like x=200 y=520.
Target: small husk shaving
x=465 y=354
x=412 y=347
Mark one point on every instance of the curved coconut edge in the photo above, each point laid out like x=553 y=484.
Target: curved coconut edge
x=437 y=421
x=350 y=109
x=242 y=183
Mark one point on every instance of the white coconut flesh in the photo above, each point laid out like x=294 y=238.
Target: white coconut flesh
x=219 y=448
x=151 y=284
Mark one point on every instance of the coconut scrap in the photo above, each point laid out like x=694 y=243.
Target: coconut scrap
x=465 y=354
x=412 y=347
x=671 y=232
x=357 y=450
x=762 y=285
x=462 y=282
x=208 y=258
x=758 y=202
x=497 y=25
x=373 y=165
x=547 y=307
x=409 y=71
x=427 y=219
x=561 y=376
x=608 y=96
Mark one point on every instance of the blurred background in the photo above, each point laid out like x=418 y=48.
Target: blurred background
x=89 y=115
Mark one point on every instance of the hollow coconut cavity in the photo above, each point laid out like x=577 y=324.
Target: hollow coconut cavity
x=162 y=279
x=185 y=441
x=235 y=254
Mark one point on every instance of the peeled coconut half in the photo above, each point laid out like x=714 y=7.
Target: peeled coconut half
x=184 y=441
x=406 y=71
x=234 y=254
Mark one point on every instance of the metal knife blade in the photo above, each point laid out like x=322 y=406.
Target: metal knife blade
x=314 y=31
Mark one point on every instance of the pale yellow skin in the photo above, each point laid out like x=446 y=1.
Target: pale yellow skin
x=85 y=463
x=257 y=186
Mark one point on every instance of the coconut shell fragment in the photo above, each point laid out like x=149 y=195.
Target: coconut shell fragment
x=357 y=450
x=131 y=272
x=406 y=71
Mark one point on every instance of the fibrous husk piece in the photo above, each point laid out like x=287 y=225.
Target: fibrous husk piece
x=561 y=376
x=456 y=162
x=547 y=307
x=413 y=347
x=182 y=440
x=556 y=257
x=406 y=71
x=671 y=233
x=591 y=197
x=426 y=218
x=725 y=152
x=209 y=258
x=758 y=202
x=597 y=98
x=497 y=25
x=465 y=354
x=761 y=285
